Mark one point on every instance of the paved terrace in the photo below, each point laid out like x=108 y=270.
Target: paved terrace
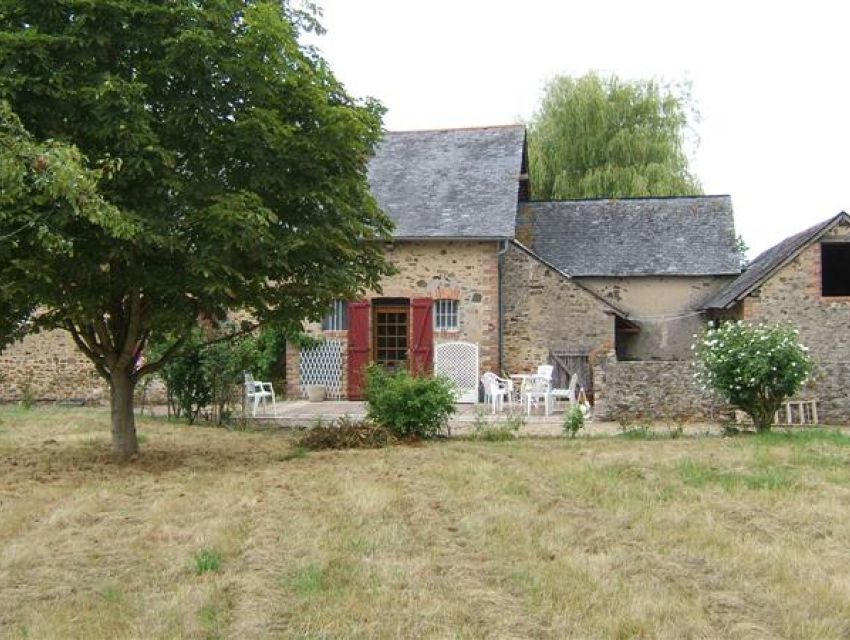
x=302 y=413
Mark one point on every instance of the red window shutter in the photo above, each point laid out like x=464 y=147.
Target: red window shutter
x=358 y=347
x=422 y=334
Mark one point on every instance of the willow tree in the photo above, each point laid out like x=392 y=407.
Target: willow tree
x=596 y=136
x=224 y=167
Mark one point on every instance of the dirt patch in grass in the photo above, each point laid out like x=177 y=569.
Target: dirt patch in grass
x=214 y=534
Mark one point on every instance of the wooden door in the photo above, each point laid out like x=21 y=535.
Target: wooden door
x=422 y=336
x=391 y=336
x=358 y=347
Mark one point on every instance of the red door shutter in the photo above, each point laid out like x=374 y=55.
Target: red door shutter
x=358 y=347
x=422 y=336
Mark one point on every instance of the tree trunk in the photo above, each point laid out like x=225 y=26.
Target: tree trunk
x=762 y=418
x=124 y=441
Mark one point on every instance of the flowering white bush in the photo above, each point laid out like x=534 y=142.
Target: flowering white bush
x=754 y=367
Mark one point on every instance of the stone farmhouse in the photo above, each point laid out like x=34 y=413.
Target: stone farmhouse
x=489 y=279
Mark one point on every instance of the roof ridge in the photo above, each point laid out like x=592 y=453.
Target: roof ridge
x=452 y=129
x=630 y=198
x=770 y=261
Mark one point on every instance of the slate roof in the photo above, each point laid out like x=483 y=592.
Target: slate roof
x=450 y=183
x=767 y=263
x=633 y=236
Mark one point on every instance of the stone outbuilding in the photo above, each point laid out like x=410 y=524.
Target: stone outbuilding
x=803 y=281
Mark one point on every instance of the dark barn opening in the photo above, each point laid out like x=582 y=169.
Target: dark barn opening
x=835 y=268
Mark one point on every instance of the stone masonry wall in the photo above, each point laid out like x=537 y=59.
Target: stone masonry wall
x=465 y=271
x=49 y=367
x=652 y=390
x=794 y=295
x=667 y=308
x=545 y=311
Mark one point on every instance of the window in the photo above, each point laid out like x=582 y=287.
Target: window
x=391 y=326
x=835 y=269
x=446 y=315
x=337 y=318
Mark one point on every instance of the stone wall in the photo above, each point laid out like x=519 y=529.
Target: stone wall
x=465 y=271
x=793 y=295
x=545 y=311
x=667 y=309
x=48 y=367
x=829 y=385
x=652 y=390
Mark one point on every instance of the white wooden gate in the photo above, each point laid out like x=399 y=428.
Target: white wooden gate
x=458 y=361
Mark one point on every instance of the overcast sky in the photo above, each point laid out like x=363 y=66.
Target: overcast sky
x=771 y=81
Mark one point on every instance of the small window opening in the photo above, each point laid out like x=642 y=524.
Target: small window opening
x=835 y=269
x=446 y=315
x=337 y=318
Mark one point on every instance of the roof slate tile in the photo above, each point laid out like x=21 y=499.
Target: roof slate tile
x=633 y=236
x=450 y=183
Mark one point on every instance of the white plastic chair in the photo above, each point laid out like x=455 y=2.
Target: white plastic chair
x=257 y=393
x=538 y=388
x=496 y=391
x=568 y=394
x=546 y=371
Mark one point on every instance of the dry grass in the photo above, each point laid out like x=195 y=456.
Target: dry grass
x=216 y=534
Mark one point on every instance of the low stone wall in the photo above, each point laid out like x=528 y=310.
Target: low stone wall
x=830 y=386
x=48 y=367
x=652 y=390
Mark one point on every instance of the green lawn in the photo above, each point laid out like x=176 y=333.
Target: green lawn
x=235 y=535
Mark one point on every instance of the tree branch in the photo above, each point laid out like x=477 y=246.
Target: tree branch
x=153 y=367
x=128 y=349
x=87 y=350
x=108 y=347
x=232 y=336
x=87 y=332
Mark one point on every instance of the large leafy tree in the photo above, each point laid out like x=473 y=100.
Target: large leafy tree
x=223 y=169
x=596 y=137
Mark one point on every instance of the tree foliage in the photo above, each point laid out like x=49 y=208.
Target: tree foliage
x=40 y=183
x=754 y=367
x=237 y=176
x=596 y=137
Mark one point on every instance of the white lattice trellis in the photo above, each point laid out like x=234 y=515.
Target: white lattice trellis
x=322 y=364
x=458 y=361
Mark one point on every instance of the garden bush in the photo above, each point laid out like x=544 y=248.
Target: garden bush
x=409 y=406
x=206 y=378
x=573 y=420
x=505 y=429
x=754 y=367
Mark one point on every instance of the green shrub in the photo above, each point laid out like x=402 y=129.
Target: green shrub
x=754 y=367
x=409 y=406
x=344 y=433
x=505 y=429
x=206 y=378
x=573 y=421
x=28 y=394
x=207 y=560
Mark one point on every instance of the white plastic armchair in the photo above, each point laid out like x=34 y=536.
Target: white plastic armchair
x=257 y=393
x=496 y=391
x=538 y=388
x=568 y=394
x=545 y=371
